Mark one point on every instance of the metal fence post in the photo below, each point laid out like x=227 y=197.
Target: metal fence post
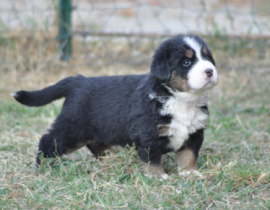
x=64 y=27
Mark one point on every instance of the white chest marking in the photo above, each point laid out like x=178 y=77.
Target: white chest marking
x=187 y=117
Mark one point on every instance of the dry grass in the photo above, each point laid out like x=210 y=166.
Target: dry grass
x=234 y=158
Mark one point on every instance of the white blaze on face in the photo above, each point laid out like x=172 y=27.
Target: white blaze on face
x=197 y=78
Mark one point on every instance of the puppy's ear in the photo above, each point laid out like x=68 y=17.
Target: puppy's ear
x=160 y=67
x=211 y=58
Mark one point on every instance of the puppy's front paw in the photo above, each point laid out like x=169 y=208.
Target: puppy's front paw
x=155 y=170
x=191 y=173
x=160 y=177
x=164 y=176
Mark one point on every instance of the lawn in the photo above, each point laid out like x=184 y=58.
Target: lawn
x=234 y=159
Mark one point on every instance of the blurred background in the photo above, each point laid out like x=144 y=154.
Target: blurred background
x=44 y=41
x=108 y=32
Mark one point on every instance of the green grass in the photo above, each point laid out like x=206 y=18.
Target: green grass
x=234 y=158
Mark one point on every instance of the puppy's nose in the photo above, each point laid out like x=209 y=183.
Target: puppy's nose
x=209 y=72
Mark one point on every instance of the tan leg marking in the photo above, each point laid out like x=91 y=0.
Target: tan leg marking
x=157 y=170
x=186 y=160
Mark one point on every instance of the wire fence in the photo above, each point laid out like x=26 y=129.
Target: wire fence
x=109 y=31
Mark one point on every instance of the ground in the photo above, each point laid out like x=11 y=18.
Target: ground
x=234 y=158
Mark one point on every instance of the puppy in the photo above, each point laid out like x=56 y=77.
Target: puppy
x=159 y=112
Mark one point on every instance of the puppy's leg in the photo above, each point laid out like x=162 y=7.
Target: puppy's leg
x=152 y=162
x=68 y=133
x=187 y=156
x=98 y=149
x=154 y=169
x=49 y=146
x=186 y=160
x=56 y=144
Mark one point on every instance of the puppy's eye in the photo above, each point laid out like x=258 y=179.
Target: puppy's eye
x=186 y=63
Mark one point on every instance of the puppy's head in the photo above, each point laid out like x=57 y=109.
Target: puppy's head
x=184 y=63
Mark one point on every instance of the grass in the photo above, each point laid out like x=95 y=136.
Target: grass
x=234 y=158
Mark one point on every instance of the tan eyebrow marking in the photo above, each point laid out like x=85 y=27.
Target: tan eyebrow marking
x=204 y=50
x=189 y=54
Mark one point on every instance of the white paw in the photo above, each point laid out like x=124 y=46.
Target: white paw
x=184 y=173
x=160 y=177
x=193 y=172
x=164 y=176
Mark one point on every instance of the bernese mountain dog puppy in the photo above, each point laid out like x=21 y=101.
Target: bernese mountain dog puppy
x=159 y=112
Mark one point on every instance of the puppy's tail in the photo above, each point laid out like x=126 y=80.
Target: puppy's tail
x=48 y=94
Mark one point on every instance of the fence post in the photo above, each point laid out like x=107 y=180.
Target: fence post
x=64 y=29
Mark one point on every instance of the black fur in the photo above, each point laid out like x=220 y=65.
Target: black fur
x=99 y=112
